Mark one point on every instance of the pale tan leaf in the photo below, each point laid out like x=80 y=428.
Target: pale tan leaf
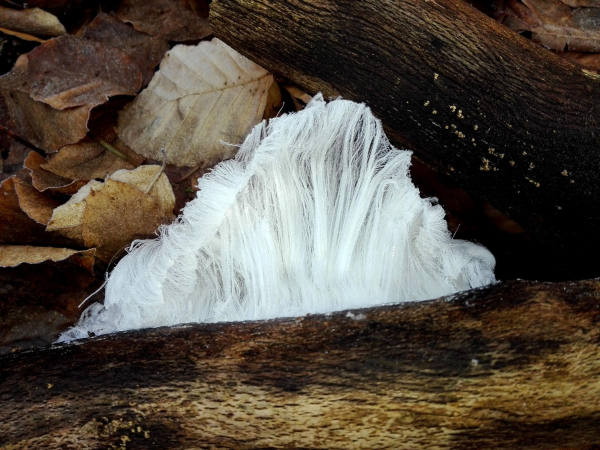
x=116 y=215
x=34 y=21
x=201 y=95
x=14 y=255
x=152 y=181
x=274 y=102
x=130 y=204
x=70 y=215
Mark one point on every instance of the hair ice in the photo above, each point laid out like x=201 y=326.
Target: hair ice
x=316 y=213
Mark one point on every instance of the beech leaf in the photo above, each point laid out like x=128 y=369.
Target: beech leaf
x=42 y=288
x=85 y=161
x=34 y=21
x=69 y=71
x=44 y=180
x=146 y=51
x=42 y=125
x=201 y=95
x=20 y=227
x=108 y=216
x=167 y=19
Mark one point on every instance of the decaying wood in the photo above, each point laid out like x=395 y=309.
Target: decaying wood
x=514 y=365
x=511 y=122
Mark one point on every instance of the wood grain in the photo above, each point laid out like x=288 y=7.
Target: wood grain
x=513 y=365
x=509 y=121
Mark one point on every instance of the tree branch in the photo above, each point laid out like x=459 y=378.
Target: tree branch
x=513 y=365
x=511 y=123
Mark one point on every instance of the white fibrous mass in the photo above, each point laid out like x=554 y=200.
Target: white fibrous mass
x=316 y=213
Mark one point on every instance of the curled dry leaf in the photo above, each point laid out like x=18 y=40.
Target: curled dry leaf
x=41 y=290
x=69 y=71
x=37 y=205
x=85 y=161
x=34 y=21
x=44 y=180
x=201 y=96
x=300 y=98
x=166 y=19
x=116 y=215
x=108 y=216
x=14 y=255
x=553 y=24
x=274 y=102
x=145 y=50
x=18 y=226
x=40 y=124
x=590 y=61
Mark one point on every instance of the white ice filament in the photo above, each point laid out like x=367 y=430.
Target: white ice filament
x=316 y=213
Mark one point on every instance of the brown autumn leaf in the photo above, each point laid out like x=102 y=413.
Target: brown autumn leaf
x=116 y=215
x=579 y=3
x=40 y=124
x=202 y=96
x=300 y=98
x=15 y=153
x=85 y=161
x=553 y=24
x=129 y=205
x=590 y=61
x=274 y=102
x=37 y=205
x=165 y=19
x=145 y=50
x=16 y=226
x=43 y=180
x=42 y=288
x=68 y=71
x=32 y=21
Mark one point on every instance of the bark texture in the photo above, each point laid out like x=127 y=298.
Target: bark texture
x=514 y=365
x=511 y=122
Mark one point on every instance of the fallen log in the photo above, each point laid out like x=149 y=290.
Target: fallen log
x=513 y=365
x=510 y=122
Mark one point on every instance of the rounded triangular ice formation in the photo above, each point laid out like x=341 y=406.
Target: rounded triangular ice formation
x=316 y=213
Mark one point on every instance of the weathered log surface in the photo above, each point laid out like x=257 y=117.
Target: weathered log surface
x=511 y=122
x=514 y=365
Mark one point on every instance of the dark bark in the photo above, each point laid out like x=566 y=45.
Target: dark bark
x=509 y=121
x=513 y=365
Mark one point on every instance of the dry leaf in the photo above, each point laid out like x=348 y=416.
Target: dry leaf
x=116 y=215
x=14 y=255
x=16 y=226
x=44 y=180
x=300 y=98
x=274 y=102
x=578 y=3
x=68 y=71
x=553 y=24
x=40 y=124
x=590 y=61
x=37 y=205
x=167 y=19
x=146 y=50
x=108 y=216
x=32 y=21
x=41 y=290
x=85 y=161
x=152 y=181
x=201 y=96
